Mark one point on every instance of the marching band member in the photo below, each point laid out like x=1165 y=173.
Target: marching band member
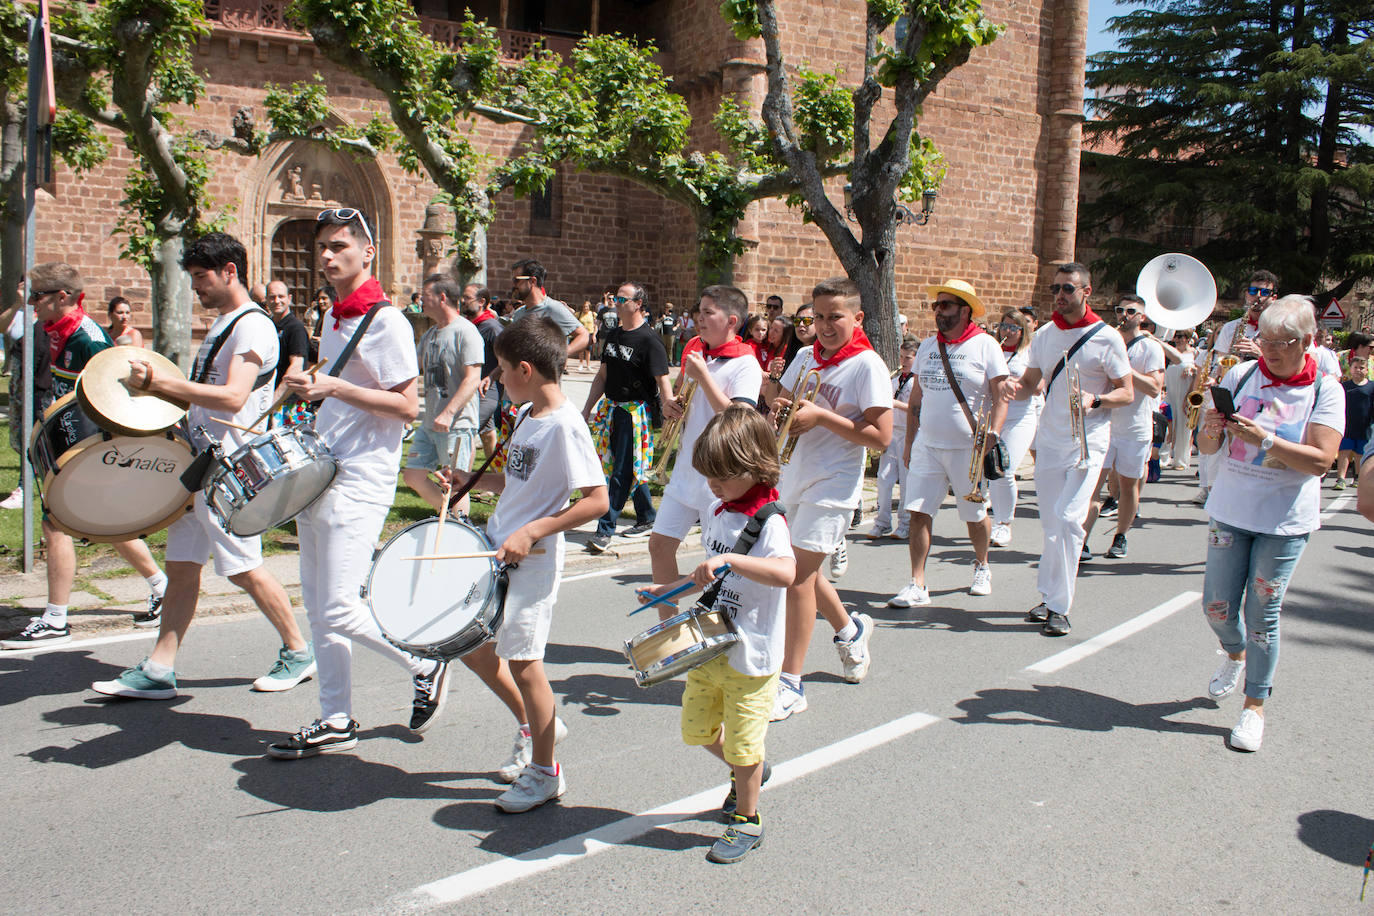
x=892 y=467
x=959 y=376
x=1018 y=429
x=1078 y=340
x=821 y=485
x=232 y=380
x=725 y=372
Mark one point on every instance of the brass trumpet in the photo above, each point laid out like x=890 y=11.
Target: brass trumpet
x=975 y=465
x=1078 y=426
x=806 y=389
x=671 y=435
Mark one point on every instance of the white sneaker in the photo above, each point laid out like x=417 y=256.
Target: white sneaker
x=1001 y=535
x=532 y=788
x=521 y=755
x=910 y=596
x=902 y=533
x=788 y=702
x=854 y=657
x=1249 y=731
x=1200 y=497
x=15 y=500
x=1227 y=677
x=982 y=580
x=879 y=530
x=839 y=561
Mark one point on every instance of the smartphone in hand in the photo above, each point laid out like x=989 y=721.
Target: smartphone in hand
x=1222 y=401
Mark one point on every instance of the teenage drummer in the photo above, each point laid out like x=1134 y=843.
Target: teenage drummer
x=728 y=701
x=72 y=338
x=229 y=389
x=550 y=455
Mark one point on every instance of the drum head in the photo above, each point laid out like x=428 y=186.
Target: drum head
x=283 y=498
x=428 y=602
x=120 y=488
x=102 y=393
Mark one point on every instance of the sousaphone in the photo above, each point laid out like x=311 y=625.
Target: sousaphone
x=1179 y=291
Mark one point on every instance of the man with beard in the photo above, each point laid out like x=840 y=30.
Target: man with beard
x=527 y=288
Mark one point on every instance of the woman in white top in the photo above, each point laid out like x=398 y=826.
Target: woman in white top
x=122 y=330
x=1178 y=381
x=1018 y=430
x=1265 y=499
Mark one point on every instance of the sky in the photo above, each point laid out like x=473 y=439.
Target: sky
x=1099 y=11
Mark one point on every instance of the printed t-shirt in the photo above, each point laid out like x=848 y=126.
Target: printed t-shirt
x=759 y=611
x=444 y=353
x=825 y=469
x=1134 y=422
x=973 y=362
x=548 y=459
x=367 y=445
x=633 y=361
x=255 y=333
x=86 y=340
x=1249 y=490
x=1098 y=361
x=740 y=378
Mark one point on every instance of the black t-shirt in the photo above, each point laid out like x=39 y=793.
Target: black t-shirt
x=1358 y=407
x=633 y=361
x=292 y=340
x=606 y=320
x=490 y=329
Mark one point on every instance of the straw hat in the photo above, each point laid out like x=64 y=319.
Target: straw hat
x=964 y=290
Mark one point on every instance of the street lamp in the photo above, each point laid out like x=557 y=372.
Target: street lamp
x=904 y=214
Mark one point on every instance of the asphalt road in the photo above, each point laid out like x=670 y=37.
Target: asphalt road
x=980 y=768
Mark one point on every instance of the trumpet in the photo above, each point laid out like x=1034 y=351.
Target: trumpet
x=975 y=465
x=806 y=389
x=671 y=434
x=1077 y=419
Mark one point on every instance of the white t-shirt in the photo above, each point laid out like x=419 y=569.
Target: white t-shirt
x=973 y=362
x=1247 y=492
x=254 y=334
x=739 y=377
x=825 y=469
x=1134 y=422
x=444 y=353
x=16 y=329
x=901 y=391
x=549 y=458
x=368 y=446
x=1016 y=409
x=1328 y=363
x=1098 y=361
x=759 y=611
x=1227 y=335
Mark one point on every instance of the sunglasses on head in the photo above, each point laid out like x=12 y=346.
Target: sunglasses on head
x=347 y=214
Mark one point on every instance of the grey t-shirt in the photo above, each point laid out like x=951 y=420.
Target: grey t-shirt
x=444 y=352
x=560 y=313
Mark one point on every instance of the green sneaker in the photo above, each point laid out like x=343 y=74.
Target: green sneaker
x=736 y=842
x=289 y=670
x=134 y=682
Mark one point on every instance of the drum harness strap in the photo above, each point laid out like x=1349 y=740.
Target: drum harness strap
x=204 y=372
x=747 y=539
x=471 y=482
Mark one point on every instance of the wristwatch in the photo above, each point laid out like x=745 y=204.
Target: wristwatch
x=1097 y=401
x=1266 y=443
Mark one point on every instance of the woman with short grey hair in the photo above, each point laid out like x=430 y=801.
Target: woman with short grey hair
x=1265 y=499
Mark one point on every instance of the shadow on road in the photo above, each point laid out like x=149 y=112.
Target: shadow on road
x=1068 y=707
x=1337 y=835
x=516 y=835
x=342 y=782
x=604 y=694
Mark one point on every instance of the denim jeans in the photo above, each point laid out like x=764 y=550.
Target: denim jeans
x=621 y=484
x=1256 y=568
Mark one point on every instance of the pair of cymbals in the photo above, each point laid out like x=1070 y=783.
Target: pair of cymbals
x=118 y=409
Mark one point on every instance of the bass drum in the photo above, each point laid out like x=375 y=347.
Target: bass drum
x=439 y=609
x=101 y=487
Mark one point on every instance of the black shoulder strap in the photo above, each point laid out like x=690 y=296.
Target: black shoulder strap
x=1063 y=360
x=356 y=339
x=954 y=386
x=1245 y=379
x=747 y=539
x=219 y=340
x=1133 y=341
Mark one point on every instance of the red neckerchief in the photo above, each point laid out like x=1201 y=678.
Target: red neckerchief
x=1253 y=322
x=969 y=331
x=903 y=378
x=728 y=350
x=62 y=328
x=760 y=351
x=359 y=302
x=1304 y=376
x=754 y=499
x=485 y=315
x=696 y=344
x=1089 y=317
x=1008 y=349
x=857 y=344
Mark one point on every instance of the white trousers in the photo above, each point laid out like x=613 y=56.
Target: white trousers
x=1064 y=492
x=891 y=472
x=1017 y=437
x=337 y=536
x=1182 y=448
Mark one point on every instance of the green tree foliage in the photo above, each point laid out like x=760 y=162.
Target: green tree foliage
x=1252 y=118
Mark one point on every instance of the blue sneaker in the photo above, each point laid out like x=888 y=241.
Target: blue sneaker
x=736 y=842
x=135 y=682
x=290 y=669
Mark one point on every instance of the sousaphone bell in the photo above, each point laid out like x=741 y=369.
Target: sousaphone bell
x=1179 y=291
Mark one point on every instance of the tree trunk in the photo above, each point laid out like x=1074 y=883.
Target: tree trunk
x=12 y=192
x=875 y=272
x=711 y=268
x=171 y=303
x=473 y=269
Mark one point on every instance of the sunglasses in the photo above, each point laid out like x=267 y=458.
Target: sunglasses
x=939 y=304
x=36 y=294
x=1067 y=288
x=621 y=300
x=804 y=322
x=1260 y=291
x=347 y=214
x=1127 y=311
x=518 y=279
x=1007 y=326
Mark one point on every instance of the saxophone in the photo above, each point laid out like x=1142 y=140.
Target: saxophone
x=671 y=435
x=1221 y=363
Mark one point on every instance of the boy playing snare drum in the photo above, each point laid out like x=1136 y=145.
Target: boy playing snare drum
x=727 y=701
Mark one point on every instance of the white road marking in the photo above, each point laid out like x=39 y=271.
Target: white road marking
x=81 y=643
x=1336 y=505
x=495 y=874
x=596 y=574
x=1114 y=635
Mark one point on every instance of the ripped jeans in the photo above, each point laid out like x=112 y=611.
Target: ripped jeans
x=1257 y=568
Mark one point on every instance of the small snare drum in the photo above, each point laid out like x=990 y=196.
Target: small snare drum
x=439 y=609
x=679 y=644
x=270 y=480
x=103 y=487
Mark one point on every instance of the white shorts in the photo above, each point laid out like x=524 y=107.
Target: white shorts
x=819 y=529
x=524 y=630
x=1129 y=459
x=931 y=475
x=675 y=518
x=197 y=536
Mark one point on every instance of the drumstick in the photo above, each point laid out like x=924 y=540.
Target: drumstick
x=443 y=505
x=288 y=396
x=674 y=592
x=242 y=429
x=478 y=555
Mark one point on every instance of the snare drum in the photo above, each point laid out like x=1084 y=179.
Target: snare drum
x=102 y=487
x=270 y=480
x=679 y=644
x=439 y=609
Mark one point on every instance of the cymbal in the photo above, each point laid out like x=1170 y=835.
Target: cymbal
x=100 y=389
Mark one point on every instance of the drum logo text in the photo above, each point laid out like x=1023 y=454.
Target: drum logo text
x=158 y=464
